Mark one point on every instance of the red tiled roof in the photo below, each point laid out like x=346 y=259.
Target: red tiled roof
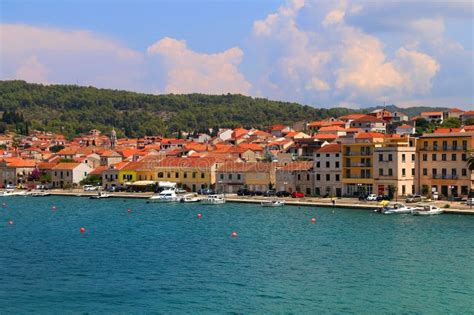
x=333 y=147
x=325 y=136
x=66 y=166
x=469 y=113
x=446 y=130
x=351 y=117
x=369 y=135
x=432 y=114
x=405 y=126
x=251 y=146
x=19 y=162
x=331 y=128
x=455 y=110
x=368 y=118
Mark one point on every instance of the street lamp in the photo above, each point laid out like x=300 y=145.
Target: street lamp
x=451 y=196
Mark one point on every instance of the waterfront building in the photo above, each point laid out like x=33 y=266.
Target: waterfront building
x=395 y=166
x=357 y=163
x=15 y=170
x=111 y=175
x=442 y=164
x=69 y=174
x=295 y=176
x=255 y=176
x=327 y=170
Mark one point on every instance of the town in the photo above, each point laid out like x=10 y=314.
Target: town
x=356 y=155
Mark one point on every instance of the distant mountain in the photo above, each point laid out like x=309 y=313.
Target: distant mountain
x=73 y=109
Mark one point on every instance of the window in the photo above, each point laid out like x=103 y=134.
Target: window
x=433 y=157
x=444 y=172
x=318 y=164
x=404 y=173
x=425 y=172
x=464 y=145
x=230 y=176
x=403 y=158
x=327 y=164
x=453 y=156
x=390 y=172
x=307 y=177
x=202 y=175
x=299 y=176
x=412 y=189
x=434 y=171
x=380 y=157
x=445 y=145
x=403 y=190
x=454 y=172
x=380 y=171
x=435 y=145
x=412 y=157
x=327 y=154
x=464 y=172
x=185 y=175
x=464 y=157
x=116 y=176
x=455 y=145
x=412 y=172
x=221 y=176
x=337 y=177
x=318 y=155
x=328 y=177
x=239 y=176
x=425 y=145
x=337 y=164
x=425 y=157
x=176 y=175
x=443 y=157
x=337 y=154
x=194 y=174
x=160 y=175
x=168 y=175
x=390 y=157
x=318 y=177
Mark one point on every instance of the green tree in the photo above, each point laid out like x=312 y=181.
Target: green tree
x=469 y=122
x=451 y=123
x=56 y=148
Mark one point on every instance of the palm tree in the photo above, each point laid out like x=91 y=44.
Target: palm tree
x=470 y=163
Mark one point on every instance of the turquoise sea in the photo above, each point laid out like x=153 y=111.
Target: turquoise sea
x=160 y=258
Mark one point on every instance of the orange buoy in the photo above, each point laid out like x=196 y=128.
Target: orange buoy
x=10 y=222
x=82 y=230
x=234 y=234
x=313 y=220
x=199 y=215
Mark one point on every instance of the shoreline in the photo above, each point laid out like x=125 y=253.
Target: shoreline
x=236 y=199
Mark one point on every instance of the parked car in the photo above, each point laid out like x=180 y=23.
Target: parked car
x=283 y=193
x=382 y=197
x=10 y=186
x=270 y=193
x=371 y=197
x=470 y=202
x=415 y=198
x=243 y=192
x=363 y=196
x=297 y=194
x=111 y=189
x=89 y=188
x=206 y=191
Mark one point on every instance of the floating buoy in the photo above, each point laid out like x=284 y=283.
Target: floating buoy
x=10 y=222
x=234 y=234
x=53 y=208
x=129 y=210
x=82 y=230
x=199 y=215
x=313 y=220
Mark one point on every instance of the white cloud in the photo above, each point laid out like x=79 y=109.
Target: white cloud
x=189 y=71
x=334 y=17
x=32 y=70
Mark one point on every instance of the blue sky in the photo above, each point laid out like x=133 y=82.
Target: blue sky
x=321 y=53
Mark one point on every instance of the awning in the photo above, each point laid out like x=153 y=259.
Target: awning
x=143 y=183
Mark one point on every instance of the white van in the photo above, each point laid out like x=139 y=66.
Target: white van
x=89 y=188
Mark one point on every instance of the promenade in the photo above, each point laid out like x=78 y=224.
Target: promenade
x=342 y=203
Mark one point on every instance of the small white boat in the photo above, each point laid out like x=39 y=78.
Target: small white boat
x=167 y=195
x=100 y=195
x=397 y=208
x=189 y=198
x=273 y=203
x=213 y=200
x=11 y=192
x=427 y=210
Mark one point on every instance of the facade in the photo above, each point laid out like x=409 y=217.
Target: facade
x=110 y=157
x=433 y=116
x=69 y=174
x=14 y=171
x=370 y=124
x=398 y=116
x=254 y=176
x=395 y=167
x=442 y=160
x=327 y=170
x=295 y=176
x=405 y=130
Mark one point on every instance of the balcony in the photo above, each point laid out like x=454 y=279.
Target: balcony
x=359 y=165
x=445 y=176
x=358 y=177
x=360 y=153
x=444 y=148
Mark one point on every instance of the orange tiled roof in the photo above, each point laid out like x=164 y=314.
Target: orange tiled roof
x=19 y=162
x=369 y=135
x=46 y=165
x=352 y=116
x=446 y=130
x=333 y=147
x=325 y=136
x=331 y=128
x=251 y=146
x=432 y=114
x=66 y=166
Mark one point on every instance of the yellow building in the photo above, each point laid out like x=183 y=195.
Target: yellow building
x=357 y=164
x=442 y=164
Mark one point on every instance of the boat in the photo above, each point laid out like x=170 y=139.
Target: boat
x=213 y=200
x=397 y=208
x=11 y=192
x=189 y=198
x=427 y=210
x=273 y=203
x=167 y=195
x=100 y=195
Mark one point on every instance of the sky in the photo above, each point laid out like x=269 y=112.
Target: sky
x=321 y=53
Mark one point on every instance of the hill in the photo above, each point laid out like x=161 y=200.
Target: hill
x=73 y=109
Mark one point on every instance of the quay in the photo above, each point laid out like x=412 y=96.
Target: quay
x=346 y=203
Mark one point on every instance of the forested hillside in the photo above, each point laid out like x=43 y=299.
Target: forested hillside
x=73 y=109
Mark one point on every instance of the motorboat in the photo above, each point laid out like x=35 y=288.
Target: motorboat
x=167 y=195
x=273 y=203
x=427 y=210
x=189 y=198
x=11 y=192
x=397 y=208
x=100 y=195
x=213 y=200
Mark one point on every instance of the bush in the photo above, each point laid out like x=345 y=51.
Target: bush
x=447 y=206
